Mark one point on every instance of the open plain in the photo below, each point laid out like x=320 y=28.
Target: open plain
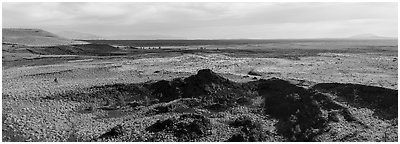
x=259 y=91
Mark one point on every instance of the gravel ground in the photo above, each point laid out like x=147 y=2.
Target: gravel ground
x=25 y=112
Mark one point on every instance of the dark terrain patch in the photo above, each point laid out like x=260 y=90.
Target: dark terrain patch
x=303 y=114
x=371 y=97
x=85 y=49
x=114 y=132
x=300 y=116
x=186 y=128
x=251 y=131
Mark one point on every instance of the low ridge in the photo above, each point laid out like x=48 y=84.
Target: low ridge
x=35 y=38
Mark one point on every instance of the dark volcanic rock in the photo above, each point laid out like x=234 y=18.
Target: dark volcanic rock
x=242 y=121
x=186 y=127
x=326 y=102
x=335 y=108
x=214 y=91
x=381 y=97
x=243 y=101
x=165 y=91
x=205 y=82
x=298 y=111
x=217 y=107
x=364 y=96
x=303 y=114
x=251 y=131
x=163 y=109
x=192 y=126
x=254 y=73
x=134 y=104
x=182 y=105
x=237 y=138
x=114 y=132
x=161 y=125
x=333 y=116
x=283 y=99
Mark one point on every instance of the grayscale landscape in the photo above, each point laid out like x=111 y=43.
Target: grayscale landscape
x=199 y=72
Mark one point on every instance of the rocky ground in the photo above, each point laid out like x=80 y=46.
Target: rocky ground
x=204 y=97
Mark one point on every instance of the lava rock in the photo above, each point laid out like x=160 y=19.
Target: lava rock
x=114 y=132
x=217 y=107
x=242 y=121
x=254 y=73
x=164 y=91
x=185 y=128
x=383 y=98
x=251 y=131
x=333 y=116
x=295 y=107
x=161 y=125
x=244 y=101
x=237 y=138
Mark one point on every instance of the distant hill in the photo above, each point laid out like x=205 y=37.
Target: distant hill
x=144 y=37
x=369 y=36
x=35 y=37
x=79 y=36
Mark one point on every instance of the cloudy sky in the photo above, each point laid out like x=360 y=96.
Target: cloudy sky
x=207 y=20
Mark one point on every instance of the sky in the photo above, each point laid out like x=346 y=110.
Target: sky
x=207 y=20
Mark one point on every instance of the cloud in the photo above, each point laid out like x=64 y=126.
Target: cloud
x=207 y=20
